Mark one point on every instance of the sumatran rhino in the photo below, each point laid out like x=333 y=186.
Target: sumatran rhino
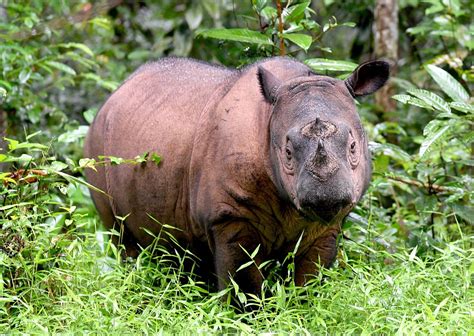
x=250 y=158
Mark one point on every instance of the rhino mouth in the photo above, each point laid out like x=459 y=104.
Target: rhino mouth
x=326 y=214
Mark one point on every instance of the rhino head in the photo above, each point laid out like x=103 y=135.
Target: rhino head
x=318 y=149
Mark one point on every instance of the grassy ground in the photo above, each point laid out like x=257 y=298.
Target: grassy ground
x=58 y=274
x=85 y=290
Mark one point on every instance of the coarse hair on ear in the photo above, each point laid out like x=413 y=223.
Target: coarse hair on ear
x=268 y=83
x=368 y=78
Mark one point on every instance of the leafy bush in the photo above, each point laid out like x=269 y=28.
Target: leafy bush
x=422 y=191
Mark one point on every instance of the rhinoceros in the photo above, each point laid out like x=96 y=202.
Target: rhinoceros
x=265 y=156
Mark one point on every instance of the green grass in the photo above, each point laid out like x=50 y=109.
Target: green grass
x=84 y=290
x=59 y=274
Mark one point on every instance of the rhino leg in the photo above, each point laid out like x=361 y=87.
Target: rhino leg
x=103 y=205
x=233 y=242
x=322 y=253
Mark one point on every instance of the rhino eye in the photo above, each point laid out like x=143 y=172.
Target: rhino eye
x=353 y=155
x=288 y=156
x=353 y=147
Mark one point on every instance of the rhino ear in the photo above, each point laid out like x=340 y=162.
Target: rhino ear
x=268 y=84
x=368 y=78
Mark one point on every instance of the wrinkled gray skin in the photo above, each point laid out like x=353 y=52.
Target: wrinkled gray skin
x=251 y=157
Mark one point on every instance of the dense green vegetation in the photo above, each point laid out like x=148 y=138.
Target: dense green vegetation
x=407 y=256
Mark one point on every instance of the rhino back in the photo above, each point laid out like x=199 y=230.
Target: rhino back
x=157 y=110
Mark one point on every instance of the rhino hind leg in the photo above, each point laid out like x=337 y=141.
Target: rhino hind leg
x=93 y=148
x=124 y=238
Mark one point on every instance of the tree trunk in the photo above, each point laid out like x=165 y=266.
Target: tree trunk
x=386 y=47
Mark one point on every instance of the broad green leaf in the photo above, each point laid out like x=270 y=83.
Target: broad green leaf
x=79 y=46
x=323 y=64
x=86 y=62
x=433 y=126
x=74 y=135
x=301 y=40
x=236 y=34
x=448 y=83
x=431 y=99
x=389 y=150
x=212 y=7
x=463 y=107
x=402 y=98
x=259 y=4
x=3 y=94
x=139 y=55
x=90 y=114
x=45 y=68
x=6 y=84
x=24 y=76
x=34 y=115
x=431 y=140
x=109 y=85
x=16 y=47
x=102 y=22
x=406 y=99
x=61 y=66
x=14 y=144
x=58 y=166
x=420 y=103
x=389 y=127
x=193 y=16
x=269 y=13
x=24 y=159
x=295 y=12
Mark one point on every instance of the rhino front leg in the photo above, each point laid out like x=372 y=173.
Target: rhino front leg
x=233 y=242
x=322 y=253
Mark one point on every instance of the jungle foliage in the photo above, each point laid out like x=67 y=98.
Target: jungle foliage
x=407 y=255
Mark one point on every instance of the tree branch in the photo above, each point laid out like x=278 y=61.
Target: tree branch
x=280 y=29
x=432 y=188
